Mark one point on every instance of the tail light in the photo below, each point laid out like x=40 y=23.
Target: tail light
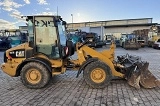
x=66 y=50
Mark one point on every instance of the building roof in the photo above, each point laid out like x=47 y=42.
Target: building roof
x=114 y=23
x=114 y=20
x=130 y=25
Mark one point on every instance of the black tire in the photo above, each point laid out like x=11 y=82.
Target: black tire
x=126 y=48
x=44 y=79
x=106 y=75
x=100 y=46
x=123 y=45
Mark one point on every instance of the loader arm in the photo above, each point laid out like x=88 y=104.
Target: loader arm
x=106 y=56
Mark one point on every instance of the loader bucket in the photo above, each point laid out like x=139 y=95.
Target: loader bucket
x=137 y=72
x=140 y=75
x=134 y=80
x=134 y=77
x=147 y=79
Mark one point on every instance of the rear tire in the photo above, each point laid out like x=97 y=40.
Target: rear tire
x=97 y=74
x=35 y=75
x=123 y=45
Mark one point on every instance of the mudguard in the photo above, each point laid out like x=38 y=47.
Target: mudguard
x=85 y=64
x=37 y=59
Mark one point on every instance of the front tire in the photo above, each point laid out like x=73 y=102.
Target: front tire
x=35 y=75
x=97 y=74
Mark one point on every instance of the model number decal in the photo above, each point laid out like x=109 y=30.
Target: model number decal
x=19 y=53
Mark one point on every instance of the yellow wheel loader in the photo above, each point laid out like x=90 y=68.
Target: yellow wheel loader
x=47 y=53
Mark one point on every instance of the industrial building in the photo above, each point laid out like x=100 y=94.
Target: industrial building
x=113 y=27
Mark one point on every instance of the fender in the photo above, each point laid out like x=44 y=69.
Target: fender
x=37 y=59
x=85 y=64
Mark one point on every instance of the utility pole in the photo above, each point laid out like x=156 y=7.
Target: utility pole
x=72 y=20
x=57 y=10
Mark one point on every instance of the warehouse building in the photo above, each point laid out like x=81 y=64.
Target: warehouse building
x=113 y=27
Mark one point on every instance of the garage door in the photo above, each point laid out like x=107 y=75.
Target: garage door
x=96 y=30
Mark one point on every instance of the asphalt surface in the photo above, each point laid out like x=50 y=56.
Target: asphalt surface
x=67 y=90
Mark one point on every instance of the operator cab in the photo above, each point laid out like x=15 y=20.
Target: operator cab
x=47 y=35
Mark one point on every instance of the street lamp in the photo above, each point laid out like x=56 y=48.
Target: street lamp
x=72 y=20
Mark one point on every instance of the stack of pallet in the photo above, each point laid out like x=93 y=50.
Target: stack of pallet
x=142 y=35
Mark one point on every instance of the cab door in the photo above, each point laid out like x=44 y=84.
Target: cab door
x=46 y=36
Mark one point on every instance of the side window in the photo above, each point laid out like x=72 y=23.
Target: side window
x=62 y=36
x=30 y=30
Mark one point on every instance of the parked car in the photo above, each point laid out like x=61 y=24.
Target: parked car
x=94 y=40
x=14 y=40
x=7 y=42
x=156 y=45
x=108 y=39
x=4 y=43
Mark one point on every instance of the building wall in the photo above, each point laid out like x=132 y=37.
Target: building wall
x=113 y=27
x=117 y=31
x=124 y=29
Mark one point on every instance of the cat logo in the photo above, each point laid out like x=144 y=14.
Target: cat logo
x=19 y=53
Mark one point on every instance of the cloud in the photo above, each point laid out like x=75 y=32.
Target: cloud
x=27 y=1
x=7 y=8
x=42 y=2
x=7 y=25
x=47 y=8
x=9 y=5
x=46 y=13
x=16 y=14
x=12 y=8
x=3 y=21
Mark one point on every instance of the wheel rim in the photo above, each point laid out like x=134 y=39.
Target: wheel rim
x=33 y=76
x=98 y=75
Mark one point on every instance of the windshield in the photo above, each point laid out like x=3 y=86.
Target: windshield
x=124 y=36
x=62 y=33
x=109 y=37
x=14 y=38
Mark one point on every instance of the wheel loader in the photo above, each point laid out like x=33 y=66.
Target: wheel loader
x=47 y=53
x=129 y=41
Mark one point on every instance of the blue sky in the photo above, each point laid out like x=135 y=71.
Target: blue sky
x=82 y=10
